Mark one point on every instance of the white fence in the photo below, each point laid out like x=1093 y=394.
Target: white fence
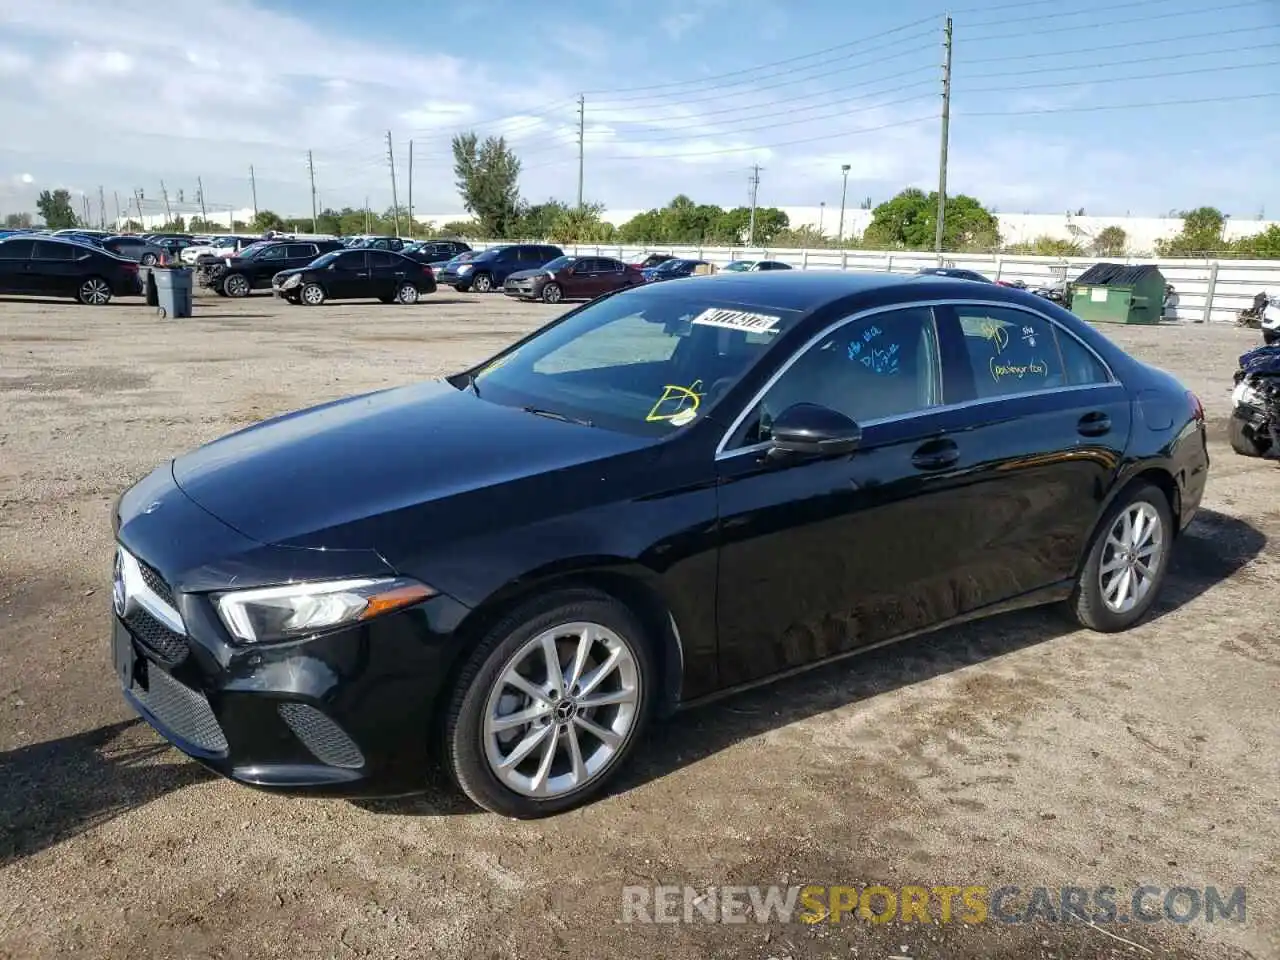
x=1205 y=291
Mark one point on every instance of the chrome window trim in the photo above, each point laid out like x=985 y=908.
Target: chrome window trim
x=136 y=589
x=722 y=453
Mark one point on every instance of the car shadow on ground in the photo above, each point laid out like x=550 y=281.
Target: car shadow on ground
x=1215 y=547
x=52 y=791
x=120 y=301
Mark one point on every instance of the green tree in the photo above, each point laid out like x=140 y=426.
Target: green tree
x=1264 y=245
x=1201 y=234
x=267 y=220
x=132 y=226
x=55 y=207
x=807 y=237
x=177 y=225
x=1110 y=242
x=734 y=226
x=909 y=222
x=1047 y=246
x=488 y=180
x=582 y=225
x=463 y=229
x=17 y=221
x=535 y=221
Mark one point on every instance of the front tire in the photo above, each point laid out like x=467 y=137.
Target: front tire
x=550 y=705
x=482 y=283
x=552 y=293
x=236 y=285
x=1126 y=563
x=312 y=294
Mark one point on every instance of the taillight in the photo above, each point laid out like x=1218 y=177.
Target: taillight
x=1197 y=408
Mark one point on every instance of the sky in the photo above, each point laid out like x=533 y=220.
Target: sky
x=681 y=96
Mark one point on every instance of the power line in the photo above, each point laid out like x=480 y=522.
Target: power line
x=1120 y=106
x=775 y=63
x=1141 y=76
x=1128 y=60
x=1201 y=35
x=1057 y=14
x=1116 y=23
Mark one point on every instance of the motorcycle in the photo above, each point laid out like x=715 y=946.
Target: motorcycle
x=1251 y=316
x=1254 y=427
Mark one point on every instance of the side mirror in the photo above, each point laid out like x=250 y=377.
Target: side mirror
x=811 y=430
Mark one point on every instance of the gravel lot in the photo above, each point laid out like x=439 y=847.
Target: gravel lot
x=1016 y=751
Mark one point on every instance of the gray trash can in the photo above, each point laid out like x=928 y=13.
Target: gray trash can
x=173 y=291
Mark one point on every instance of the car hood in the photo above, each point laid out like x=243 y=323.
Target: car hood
x=290 y=271
x=526 y=274
x=313 y=478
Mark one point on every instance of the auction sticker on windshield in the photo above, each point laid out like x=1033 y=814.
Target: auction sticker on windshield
x=737 y=320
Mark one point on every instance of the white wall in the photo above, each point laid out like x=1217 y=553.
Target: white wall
x=1234 y=282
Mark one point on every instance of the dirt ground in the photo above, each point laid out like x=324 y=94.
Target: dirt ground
x=1016 y=751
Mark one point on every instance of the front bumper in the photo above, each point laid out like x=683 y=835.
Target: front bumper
x=461 y=281
x=524 y=288
x=346 y=713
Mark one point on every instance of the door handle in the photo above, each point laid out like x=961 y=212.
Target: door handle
x=935 y=455
x=1094 y=424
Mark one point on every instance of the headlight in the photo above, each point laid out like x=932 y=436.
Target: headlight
x=292 y=281
x=298 y=609
x=464 y=268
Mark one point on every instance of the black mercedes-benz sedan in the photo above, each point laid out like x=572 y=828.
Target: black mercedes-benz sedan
x=667 y=493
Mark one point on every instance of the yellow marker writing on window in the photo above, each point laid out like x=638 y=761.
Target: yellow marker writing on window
x=996 y=333
x=679 y=405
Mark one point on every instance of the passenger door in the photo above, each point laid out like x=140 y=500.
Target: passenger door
x=16 y=267
x=54 y=268
x=386 y=272
x=821 y=556
x=1042 y=432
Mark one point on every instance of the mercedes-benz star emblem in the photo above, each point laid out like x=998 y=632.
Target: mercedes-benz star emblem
x=119 y=597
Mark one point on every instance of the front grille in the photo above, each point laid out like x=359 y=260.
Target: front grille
x=156 y=637
x=151 y=577
x=324 y=738
x=181 y=711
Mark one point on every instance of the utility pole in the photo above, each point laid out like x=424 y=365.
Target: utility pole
x=822 y=212
x=755 y=189
x=168 y=212
x=102 y=209
x=119 y=221
x=311 y=172
x=137 y=199
x=582 y=130
x=200 y=199
x=366 y=214
x=253 y=186
x=942 y=154
x=844 y=191
x=395 y=204
x=410 y=189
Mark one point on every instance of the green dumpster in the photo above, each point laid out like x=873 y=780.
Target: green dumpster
x=1116 y=293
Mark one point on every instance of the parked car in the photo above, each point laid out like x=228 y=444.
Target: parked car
x=358 y=274
x=378 y=243
x=220 y=247
x=652 y=260
x=256 y=265
x=953 y=273
x=134 y=248
x=173 y=245
x=436 y=253
x=572 y=278
x=48 y=266
x=491 y=267
x=81 y=231
x=667 y=493
x=754 y=266
x=673 y=269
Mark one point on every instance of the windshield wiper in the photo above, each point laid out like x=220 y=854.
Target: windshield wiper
x=552 y=415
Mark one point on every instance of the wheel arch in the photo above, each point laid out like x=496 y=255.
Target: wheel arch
x=631 y=584
x=1158 y=476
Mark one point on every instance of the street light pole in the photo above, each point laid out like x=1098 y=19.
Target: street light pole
x=822 y=210
x=844 y=189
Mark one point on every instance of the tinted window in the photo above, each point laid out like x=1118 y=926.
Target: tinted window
x=271 y=253
x=1011 y=351
x=16 y=249
x=380 y=259
x=299 y=250
x=882 y=366
x=533 y=256
x=607 y=265
x=349 y=259
x=55 y=251
x=637 y=362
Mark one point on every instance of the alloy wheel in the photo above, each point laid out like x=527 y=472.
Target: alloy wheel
x=552 y=293
x=562 y=710
x=1131 y=557
x=408 y=294
x=481 y=283
x=313 y=294
x=236 y=286
x=95 y=292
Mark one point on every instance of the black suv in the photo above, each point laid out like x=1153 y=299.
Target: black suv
x=490 y=268
x=254 y=270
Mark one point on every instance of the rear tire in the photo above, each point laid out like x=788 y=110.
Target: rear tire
x=1135 y=534
x=566 y=762
x=94 y=292
x=407 y=294
x=148 y=259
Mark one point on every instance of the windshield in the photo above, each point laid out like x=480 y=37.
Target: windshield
x=559 y=263
x=738 y=265
x=644 y=361
x=671 y=266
